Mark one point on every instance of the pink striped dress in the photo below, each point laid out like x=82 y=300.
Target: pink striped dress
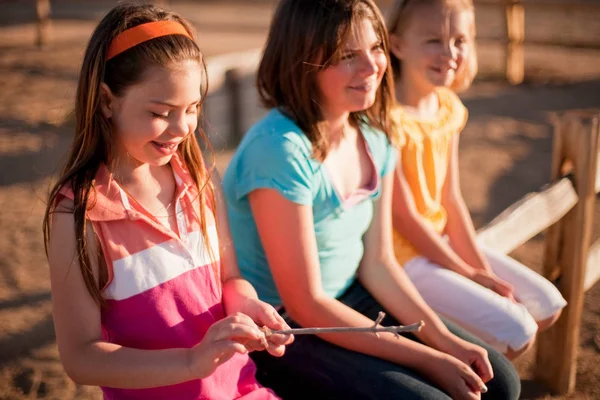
x=162 y=290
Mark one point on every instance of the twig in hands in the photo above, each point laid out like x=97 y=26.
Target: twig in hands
x=373 y=329
x=263 y=339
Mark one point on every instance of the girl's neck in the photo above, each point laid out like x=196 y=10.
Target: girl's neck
x=420 y=102
x=131 y=173
x=337 y=125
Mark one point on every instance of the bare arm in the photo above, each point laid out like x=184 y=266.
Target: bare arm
x=239 y=296
x=90 y=360
x=235 y=288
x=461 y=232
x=408 y=222
x=382 y=276
x=388 y=283
x=459 y=228
x=287 y=233
x=85 y=356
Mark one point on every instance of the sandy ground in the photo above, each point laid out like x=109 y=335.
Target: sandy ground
x=506 y=150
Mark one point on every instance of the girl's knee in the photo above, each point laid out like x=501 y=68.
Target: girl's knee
x=517 y=335
x=523 y=337
x=512 y=354
x=548 y=322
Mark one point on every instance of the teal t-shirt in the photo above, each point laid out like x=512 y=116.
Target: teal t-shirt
x=276 y=154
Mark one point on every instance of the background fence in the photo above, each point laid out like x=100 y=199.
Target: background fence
x=565 y=207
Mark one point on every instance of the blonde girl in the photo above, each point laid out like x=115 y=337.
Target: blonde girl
x=147 y=299
x=487 y=293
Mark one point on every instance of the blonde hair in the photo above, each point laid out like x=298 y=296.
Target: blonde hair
x=93 y=142
x=399 y=18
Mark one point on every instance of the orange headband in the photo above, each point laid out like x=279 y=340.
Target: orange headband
x=142 y=33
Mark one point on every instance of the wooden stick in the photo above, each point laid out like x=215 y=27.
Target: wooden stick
x=373 y=329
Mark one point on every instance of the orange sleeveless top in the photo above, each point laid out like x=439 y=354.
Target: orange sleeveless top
x=425 y=150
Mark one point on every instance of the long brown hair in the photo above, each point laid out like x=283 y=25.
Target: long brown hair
x=399 y=18
x=306 y=37
x=93 y=141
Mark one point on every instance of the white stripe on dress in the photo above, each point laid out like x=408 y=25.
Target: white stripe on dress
x=156 y=265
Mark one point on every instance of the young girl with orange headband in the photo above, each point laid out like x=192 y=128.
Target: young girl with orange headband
x=147 y=298
x=487 y=293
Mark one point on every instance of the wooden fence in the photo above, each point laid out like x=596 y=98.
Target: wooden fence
x=566 y=209
x=514 y=11
x=42 y=12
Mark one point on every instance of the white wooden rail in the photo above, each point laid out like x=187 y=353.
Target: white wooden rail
x=529 y=216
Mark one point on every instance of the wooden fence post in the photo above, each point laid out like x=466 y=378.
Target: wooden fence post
x=550 y=268
x=42 y=9
x=567 y=243
x=515 y=33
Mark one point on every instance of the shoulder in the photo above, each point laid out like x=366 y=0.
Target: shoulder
x=65 y=205
x=448 y=98
x=275 y=140
x=277 y=131
x=382 y=151
x=398 y=135
x=453 y=111
x=63 y=237
x=275 y=154
x=377 y=140
x=64 y=202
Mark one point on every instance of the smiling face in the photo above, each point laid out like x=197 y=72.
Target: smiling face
x=434 y=45
x=153 y=116
x=351 y=84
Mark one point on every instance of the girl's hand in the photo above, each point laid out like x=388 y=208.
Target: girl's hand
x=470 y=354
x=456 y=378
x=233 y=334
x=492 y=282
x=263 y=314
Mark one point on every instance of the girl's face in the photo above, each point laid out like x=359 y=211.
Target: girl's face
x=351 y=84
x=155 y=115
x=434 y=45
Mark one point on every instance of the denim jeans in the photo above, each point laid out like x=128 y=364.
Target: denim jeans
x=315 y=369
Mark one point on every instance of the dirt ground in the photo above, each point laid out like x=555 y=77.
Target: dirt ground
x=506 y=150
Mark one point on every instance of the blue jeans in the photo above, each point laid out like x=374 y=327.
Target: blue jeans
x=314 y=368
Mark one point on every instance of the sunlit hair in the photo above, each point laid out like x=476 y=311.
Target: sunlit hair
x=306 y=37
x=399 y=18
x=93 y=143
